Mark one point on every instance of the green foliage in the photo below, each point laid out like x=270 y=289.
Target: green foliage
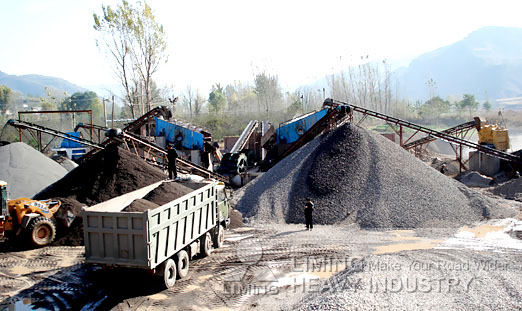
x=47 y=106
x=434 y=107
x=268 y=91
x=295 y=107
x=82 y=101
x=5 y=96
x=486 y=106
x=137 y=44
x=468 y=102
x=217 y=99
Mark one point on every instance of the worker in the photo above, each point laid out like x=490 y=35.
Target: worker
x=172 y=155
x=443 y=168
x=308 y=209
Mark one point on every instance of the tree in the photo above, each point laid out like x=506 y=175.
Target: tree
x=468 y=102
x=486 y=106
x=5 y=96
x=82 y=101
x=188 y=99
x=268 y=91
x=217 y=98
x=136 y=42
x=199 y=102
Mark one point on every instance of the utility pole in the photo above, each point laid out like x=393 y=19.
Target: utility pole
x=104 y=112
x=112 y=125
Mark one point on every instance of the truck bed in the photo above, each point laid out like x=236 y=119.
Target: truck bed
x=146 y=239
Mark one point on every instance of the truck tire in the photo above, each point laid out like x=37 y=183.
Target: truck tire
x=206 y=245
x=182 y=263
x=169 y=272
x=42 y=231
x=219 y=237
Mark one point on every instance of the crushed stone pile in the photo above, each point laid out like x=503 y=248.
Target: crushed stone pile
x=236 y=219
x=511 y=190
x=163 y=194
x=109 y=173
x=67 y=164
x=167 y=192
x=475 y=179
x=353 y=175
x=140 y=205
x=26 y=170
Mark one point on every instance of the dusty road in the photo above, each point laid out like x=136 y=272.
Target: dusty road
x=261 y=268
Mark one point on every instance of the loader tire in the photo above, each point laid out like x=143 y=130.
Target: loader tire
x=182 y=263
x=205 y=245
x=42 y=231
x=168 y=271
x=219 y=236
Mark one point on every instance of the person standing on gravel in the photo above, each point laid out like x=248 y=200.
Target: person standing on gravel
x=172 y=155
x=309 y=208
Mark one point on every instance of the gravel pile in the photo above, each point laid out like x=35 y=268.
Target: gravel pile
x=422 y=280
x=109 y=173
x=511 y=190
x=140 y=205
x=353 y=175
x=26 y=170
x=167 y=192
x=475 y=179
x=65 y=162
x=163 y=194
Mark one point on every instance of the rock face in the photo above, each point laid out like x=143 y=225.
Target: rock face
x=353 y=175
x=26 y=170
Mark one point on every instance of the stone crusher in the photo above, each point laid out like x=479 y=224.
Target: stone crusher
x=293 y=134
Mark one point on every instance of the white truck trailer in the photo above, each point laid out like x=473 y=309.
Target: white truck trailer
x=162 y=240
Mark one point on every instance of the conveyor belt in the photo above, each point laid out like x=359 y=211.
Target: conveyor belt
x=27 y=125
x=245 y=136
x=451 y=131
x=440 y=135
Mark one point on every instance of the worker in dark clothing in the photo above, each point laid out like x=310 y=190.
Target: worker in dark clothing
x=309 y=207
x=443 y=169
x=172 y=155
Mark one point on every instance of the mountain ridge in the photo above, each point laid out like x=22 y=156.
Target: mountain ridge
x=35 y=84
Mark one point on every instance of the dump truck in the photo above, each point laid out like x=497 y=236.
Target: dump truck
x=161 y=240
x=30 y=219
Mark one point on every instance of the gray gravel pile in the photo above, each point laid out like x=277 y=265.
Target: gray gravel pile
x=67 y=164
x=422 y=280
x=511 y=190
x=475 y=179
x=353 y=175
x=26 y=170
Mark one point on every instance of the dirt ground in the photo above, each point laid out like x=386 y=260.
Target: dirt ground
x=260 y=268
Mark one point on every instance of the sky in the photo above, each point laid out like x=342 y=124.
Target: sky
x=225 y=41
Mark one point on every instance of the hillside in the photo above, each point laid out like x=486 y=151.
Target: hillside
x=34 y=85
x=488 y=60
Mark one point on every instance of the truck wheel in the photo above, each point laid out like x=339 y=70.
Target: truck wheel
x=182 y=264
x=219 y=237
x=42 y=231
x=168 y=270
x=206 y=245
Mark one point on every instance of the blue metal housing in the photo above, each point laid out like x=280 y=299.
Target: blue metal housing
x=180 y=136
x=292 y=130
x=72 y=144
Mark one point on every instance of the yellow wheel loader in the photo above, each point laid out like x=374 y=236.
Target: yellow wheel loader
x=29 y=218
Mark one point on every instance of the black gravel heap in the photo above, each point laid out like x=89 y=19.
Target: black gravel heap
x=354 y=175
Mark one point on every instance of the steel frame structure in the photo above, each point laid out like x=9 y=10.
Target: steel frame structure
x=458 y=142
x=36 y=132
